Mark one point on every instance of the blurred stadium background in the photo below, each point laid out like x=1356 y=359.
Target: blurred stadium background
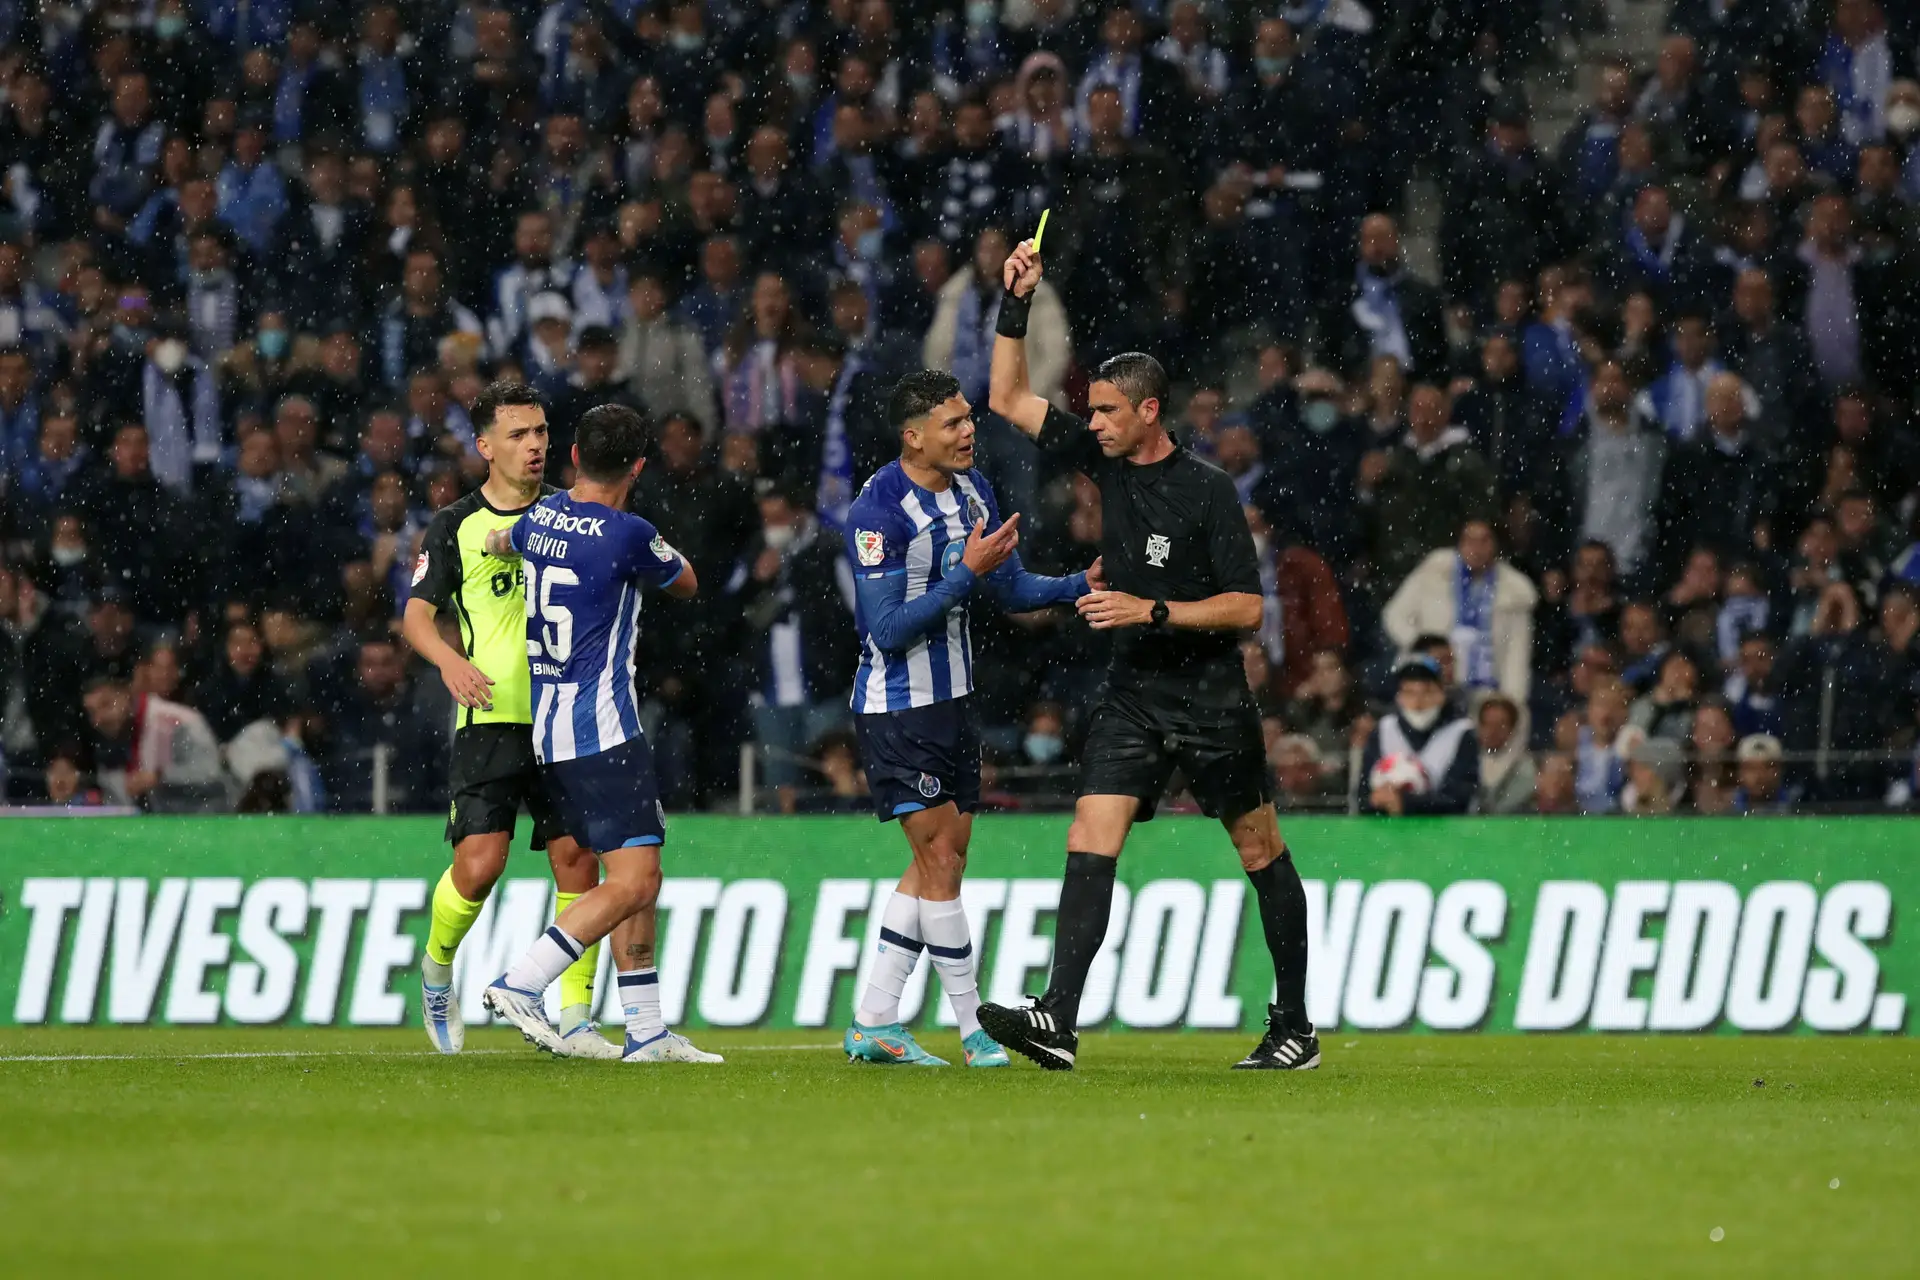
x=1629 y=287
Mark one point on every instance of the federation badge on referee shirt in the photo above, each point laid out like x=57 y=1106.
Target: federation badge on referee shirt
x=419 y=568
x=869 y=546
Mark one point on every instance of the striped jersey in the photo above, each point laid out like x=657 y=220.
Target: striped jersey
x=586 y=566
x=897 y=528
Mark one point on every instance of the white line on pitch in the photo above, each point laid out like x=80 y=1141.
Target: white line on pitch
x=333 y=1053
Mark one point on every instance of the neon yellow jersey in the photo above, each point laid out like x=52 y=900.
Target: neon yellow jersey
x=487 y=594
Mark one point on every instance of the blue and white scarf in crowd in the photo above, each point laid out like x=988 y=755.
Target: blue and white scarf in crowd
x=1861 y=80
x=383 y=101
x=1739 y=616
x=835 y=492
x=972 y=358
x=1110 y=72
x=1658 y=266
x=174 y=443
x=1378 y=312
x=1473 y=624
x=1598 y=775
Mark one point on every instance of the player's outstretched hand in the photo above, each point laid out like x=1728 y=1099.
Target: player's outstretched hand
x=1022 y=272
x=1096 y=575
x=468 y=684
x=1106 y=609
x=985 y=551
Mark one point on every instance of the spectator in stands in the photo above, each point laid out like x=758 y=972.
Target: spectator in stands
x=1327 y=706
x=1299 y=771
x=1614 y=474
x=1554 y=791
x=1599 y=770
x=1507 y=773
x=1836 y=654
x=1480 y=601
x=243 y=689
x=152 y=752
x=1666 y=710
x=382 y=716
x=1710 y=748
x=792 y=588
x=1763 y=788
x=1656 y=779
x=1386 y=310
x=1302 y=613
x=1425 y=488
x=661 y=358
x=1422 y=726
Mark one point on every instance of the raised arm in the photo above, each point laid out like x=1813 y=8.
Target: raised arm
x=1010 y=391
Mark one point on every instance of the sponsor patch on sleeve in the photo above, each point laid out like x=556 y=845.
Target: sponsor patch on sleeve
x=661 y=549
x=869 y=546
x=419 y=568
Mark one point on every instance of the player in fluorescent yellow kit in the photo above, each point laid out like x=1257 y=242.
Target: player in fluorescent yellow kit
x=493 y=771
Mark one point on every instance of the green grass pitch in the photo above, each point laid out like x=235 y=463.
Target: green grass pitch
x=357 y=1154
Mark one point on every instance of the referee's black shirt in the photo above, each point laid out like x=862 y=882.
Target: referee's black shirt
x=1170 y=530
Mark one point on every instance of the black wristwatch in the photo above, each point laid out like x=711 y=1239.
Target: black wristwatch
x=1159 y=614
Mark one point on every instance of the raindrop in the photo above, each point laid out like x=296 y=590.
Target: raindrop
x=1716 y=1235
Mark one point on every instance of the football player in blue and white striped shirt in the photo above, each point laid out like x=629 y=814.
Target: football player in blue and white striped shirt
x=587 y=564
x=922 y=534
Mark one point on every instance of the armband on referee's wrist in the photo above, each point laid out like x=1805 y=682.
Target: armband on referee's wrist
x=1013 y=315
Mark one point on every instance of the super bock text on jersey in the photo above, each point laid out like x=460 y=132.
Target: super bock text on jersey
x=586 y=569
x=918 y=739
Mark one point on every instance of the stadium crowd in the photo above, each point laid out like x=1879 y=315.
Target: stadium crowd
x=1636 y=476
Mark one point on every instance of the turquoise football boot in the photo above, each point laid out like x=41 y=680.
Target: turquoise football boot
x=889 y=1046
x=982 y=1050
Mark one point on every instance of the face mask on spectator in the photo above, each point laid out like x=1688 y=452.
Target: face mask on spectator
x=1044 y=748
x=869 y=244
x=1420 y=721
x=272 y=343
x=1320 y=416
x=170 y=355
x=980 y=13
x=201 y=281
x=687 y=41
x=169 y=26
x=1904 y=119
x=779 y=536
x=67 y=557
x=801 y=83
x=1272 y=66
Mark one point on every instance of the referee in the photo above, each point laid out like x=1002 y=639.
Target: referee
x=1185 y=582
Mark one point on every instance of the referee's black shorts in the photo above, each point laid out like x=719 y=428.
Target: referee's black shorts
x=492 y=776
x=1141 y=731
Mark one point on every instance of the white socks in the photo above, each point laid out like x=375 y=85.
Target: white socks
x=900 y=948
x=950 y=948
x=640 y=1001
x=545 y=961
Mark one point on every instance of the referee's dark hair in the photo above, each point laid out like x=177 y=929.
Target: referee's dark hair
x=610 y=439
x=497 y=396
x=1139 y=376
x=918 y=394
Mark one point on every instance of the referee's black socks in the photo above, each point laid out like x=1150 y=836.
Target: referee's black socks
x=1086 y=899
x=1283 y=918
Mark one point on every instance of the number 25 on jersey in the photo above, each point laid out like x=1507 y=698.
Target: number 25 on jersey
x=551 y=634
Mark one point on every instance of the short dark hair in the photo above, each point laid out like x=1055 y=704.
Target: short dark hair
x=611 y=438
x=917 y=394
x=1138 y=375
x=500 y=395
